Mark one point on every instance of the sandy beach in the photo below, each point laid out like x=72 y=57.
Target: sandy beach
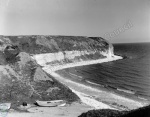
x=105 y=100
x=72 y=110
x=99 y=99
x=41 y=60
x=91 y=97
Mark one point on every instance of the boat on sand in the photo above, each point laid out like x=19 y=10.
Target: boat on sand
x=52 y=103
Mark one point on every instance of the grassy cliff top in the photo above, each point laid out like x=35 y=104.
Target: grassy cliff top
x=46 y=44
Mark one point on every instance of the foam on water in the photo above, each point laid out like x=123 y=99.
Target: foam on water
x=126 y=91
x=93 y=83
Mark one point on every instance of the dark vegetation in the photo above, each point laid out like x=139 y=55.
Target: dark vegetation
x=53 y=44
x=11 y=53
x=27 y=82
x=141 y=112
x=46 y=44
x=102 y=113
x=22 y=80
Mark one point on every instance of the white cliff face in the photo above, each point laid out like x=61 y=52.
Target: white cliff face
x=109 y=52
x=59 y=56
x=111 y=49
x=66 y=59
x=43 y=59
x=54 y=61
x=4 y=43
x=74 y=53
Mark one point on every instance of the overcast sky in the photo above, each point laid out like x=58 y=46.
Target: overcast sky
x=77 y=17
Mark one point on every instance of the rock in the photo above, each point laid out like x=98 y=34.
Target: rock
x=24 y=58
x=40 y=75
x=11 y=53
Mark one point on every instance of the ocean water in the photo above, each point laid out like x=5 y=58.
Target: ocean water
x=130 y=76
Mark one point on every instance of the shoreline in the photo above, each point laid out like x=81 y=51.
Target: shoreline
x=69 y=65
x=86 y=93
x=71 y=110
x=85 y=97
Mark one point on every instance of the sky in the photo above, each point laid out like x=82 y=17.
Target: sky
x=119 y=21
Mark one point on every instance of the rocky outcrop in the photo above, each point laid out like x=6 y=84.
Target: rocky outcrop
x=55 y=44
x=22 y=79
x=11 y=52
x=58 y=49
x=25 y=81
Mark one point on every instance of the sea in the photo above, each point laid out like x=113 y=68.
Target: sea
x=129 y=76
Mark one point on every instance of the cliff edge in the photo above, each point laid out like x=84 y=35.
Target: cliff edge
x=23 y=79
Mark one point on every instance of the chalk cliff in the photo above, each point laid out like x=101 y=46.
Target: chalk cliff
x=62 y=49
x=24 y=80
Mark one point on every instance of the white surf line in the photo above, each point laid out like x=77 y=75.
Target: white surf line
x=75 y=75
x=126 y=91
x=93 y=83
x=51 y=70
x=82 y=63
x=84 y=97
x=70 y=81
x=92 y=102
x=142 y=98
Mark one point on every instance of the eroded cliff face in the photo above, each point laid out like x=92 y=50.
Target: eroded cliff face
x=23 y=79
x=61 y=49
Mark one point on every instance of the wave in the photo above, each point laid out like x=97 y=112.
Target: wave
x=126 y=91
x=75 y=75
x=133 y=73
x=88 y=94
x=89 y=100
x=142 y=98
x=94 y=83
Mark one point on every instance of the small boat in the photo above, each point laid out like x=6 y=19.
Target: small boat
x=52 y=103
x=5 y=106
x=56 y=101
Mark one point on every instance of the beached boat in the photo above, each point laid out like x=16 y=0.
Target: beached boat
x=5 y=106
x=52 y=103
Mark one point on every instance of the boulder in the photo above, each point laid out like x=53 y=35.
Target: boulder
x=11 y=53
